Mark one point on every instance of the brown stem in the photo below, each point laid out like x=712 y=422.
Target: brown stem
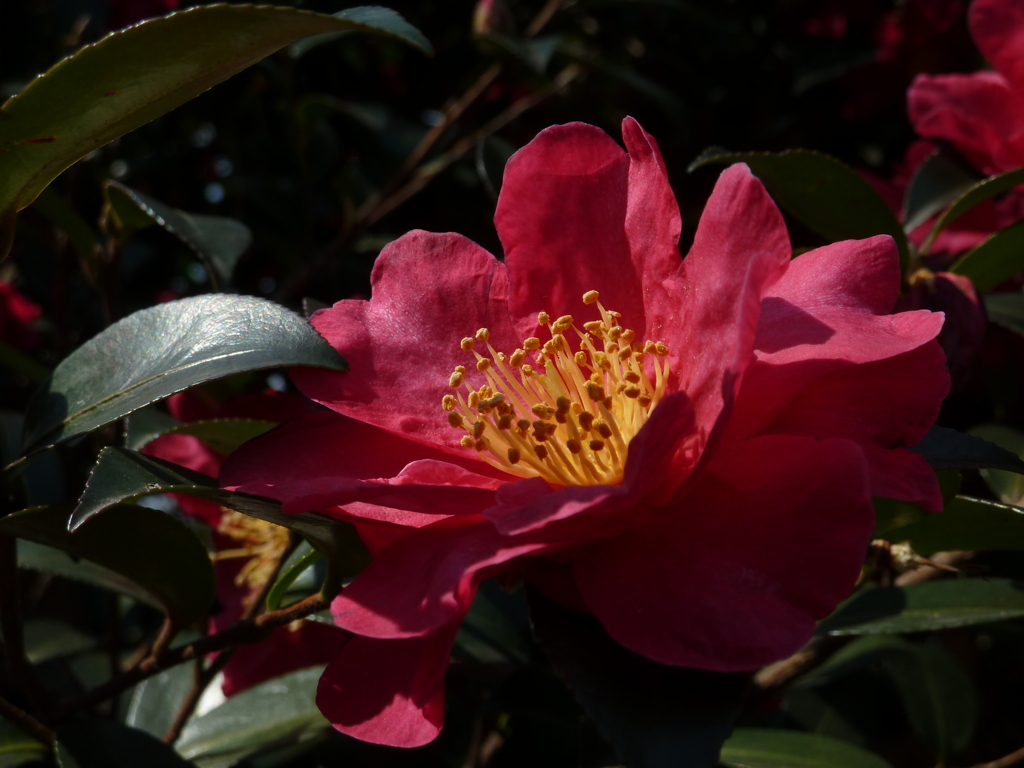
x=775 y=676
x=1004 y=762
x=27 y=723
x=541 y=19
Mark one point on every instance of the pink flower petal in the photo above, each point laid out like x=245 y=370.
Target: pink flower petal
x=764 y=543
x=429 y=291
x=388 y=691
x=286 y=650
x=997 y=27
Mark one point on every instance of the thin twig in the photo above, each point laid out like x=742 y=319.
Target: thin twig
x=27 y=723
x=1004 y=762
x=776 y=676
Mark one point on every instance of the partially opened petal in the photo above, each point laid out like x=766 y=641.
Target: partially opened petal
x=429 y=291
x=767 y=540
x=388 y=691
x=561 y=219
x=997 y=27
x=977 y=113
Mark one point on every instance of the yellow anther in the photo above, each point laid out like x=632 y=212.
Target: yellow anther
x=632 y=392
x=527 y=370
x=485 y=392
x=577 y=408
x=590 y=297
x=477 y=429
x=596 y=445
x=543 y=318
x=517 y=358
x=467 y=441
x=586 y=420
x=455 y=419
x=563 y=404
x=513 y=456
x=473 y=399
x=532 y=343
x=660 y=349
x=644 y=400
x=649 y=348
x=541 y=451
x=574 y=446
x=483 y=364
x=502 y=357
x=603 y=430
x=460 y=369
x=480 y=445
x=632 y=377
x=551 y=346
x=523 y=424
x=620 y=388
x=615 y=333
x=595 y=327
x=580 y=358
x=505 y=421
x=562 y=324
x=602 y=361
x=595 y=391
x=448 y=403
x=625 y=353
x=628 y=336
x=455 y=380
x=467 y=344
x=612 y=348
x=482 y=335
x=542 y=411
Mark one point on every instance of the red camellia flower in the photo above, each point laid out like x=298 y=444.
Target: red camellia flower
x=685 y=448
x=981 y=114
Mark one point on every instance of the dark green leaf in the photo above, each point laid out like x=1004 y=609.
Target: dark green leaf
x=535 y=52
x=828 y=196
x=37 y=557
x=122 y=475
x=223 y=435
x=18 y=748
x=652 y=714
x=162 y=350
x=106 y=744
x=61 y=214
x=217 y=240
x=496 y=630
x=927 y=606
x=766 y=748
x=937 y=694
x=130 y=77
x=276 y=712
x=948 y=449
x=1008 y=486
x=851 y=657
x=303 y=558
x=979 y=193
x=148 y=547
x=155 y=701
x=1006 y=309
x=375 y=16
x=18 y=361
x=937 y=183
x=146 y=425
x=48 y=639
x=997 y=259
x=965 y=523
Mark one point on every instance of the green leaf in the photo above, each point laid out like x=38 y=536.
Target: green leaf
x=18 y=748
x=496 y=629
x=146 y=425
x=851 y=657
x=303 y=558
x=825 y=194
x=1008 y=486
x=964 y=524
x=156 y=701
x=936 y=184
x=121 y=475
x=998 y=258
x=128 y=78
x=948 y=449
x=1006 y=309
x=148 y=547
x=61 y=214
x=18 y=361
x=217 y=240
x=223 y=435
x=37 y=557
x=48 y=639
x=106 y=744
x=767 y=748
x=276 y=712
x=937 y=694
x=979 y=193
x=164 y=349
x=927 y=606
x=653 y=715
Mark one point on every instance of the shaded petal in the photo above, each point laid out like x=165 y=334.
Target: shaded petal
x=885 y=407
x=997 y=27
x=740 y=249
x=286 y=650
x=560 y=217
x=979 y=113
x=324 y=460
x=425 y=580
x=767 y=540
x=429 y=291
x=388 y=691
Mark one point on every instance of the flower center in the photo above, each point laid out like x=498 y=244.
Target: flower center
x=548 y=412
x=262 y=543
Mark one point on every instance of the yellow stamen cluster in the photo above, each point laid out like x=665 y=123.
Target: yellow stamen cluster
x=547 y=411
x=261 y=542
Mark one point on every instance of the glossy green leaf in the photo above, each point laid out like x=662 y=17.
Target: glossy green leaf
x=106 y=744
x=998 y=258
x=825 y=194
x=964 y=524
x=276 y=712
x=948 y=449
x=148 y=547
x=767 y=748
x=303 y=558
x=822 y=713
x=38 y=557
x=653 y=715
x=18 y=748
x=164 y=349
x=979 y=193
x=155 y=701
x=936 y=184
x=217 y=240
x=1006 y=309
x=122 y=475
x=1008 y=486
x=928 y=606
x=146 y=425
x=48 y=639
x=851 y=657
x=223 y=435
x=937 y=694
x=130 y=77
